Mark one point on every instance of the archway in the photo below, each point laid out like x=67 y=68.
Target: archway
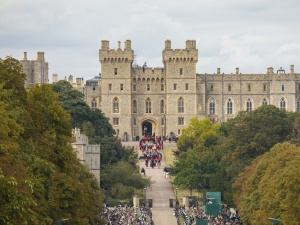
x=147 y=128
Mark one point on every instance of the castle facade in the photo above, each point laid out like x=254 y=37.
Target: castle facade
x=140 y=100
x=162 y=101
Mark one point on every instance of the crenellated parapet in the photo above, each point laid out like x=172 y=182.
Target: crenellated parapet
x=107 y=55
x=187 y=55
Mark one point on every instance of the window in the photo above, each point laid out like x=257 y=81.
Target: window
x=118 y=132
x=162 y=87
x=212 y=106
x=134 y=121
x=211 y=87
x=116 y=71
x=180 y=105
x=162 y=106
x=282 y=87
x=175 y=87
x=298 y=87
x=162 y=121
x=298 y=106
x=134 y=87
x=121 y=87
x=186 y=86
x=229 y=106
x=282 y=103
x=109 y=87
x=94 y=104
x=229 y=87
x=249 y=87
x=249 y=105
x=148 y=105
x=180 y=120
x=115 y=121
x=265 y=87
x=116 y=105
x=264 y=101
x=178 y=132
x=148 y=87
x=134 y=106
x=181 y=71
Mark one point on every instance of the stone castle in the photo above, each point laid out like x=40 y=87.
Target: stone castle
x=140 y=100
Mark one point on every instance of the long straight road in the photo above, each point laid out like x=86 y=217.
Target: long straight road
x=161 y=191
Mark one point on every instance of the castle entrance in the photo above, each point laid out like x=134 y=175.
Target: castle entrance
x=147 y=128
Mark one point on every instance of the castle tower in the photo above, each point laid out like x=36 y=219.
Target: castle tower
x=181 y=94
x=36 y=70
x=116 y=85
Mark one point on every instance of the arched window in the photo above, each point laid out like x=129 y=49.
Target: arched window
x=148 y=105
x=162 y=106
x=211 y=87
x=94 y=104
x=162 y=87
x=212 y=106
x=116 y=105
x=249 y=105
x=229 y=106
x=180 y=105
x=229 y=87
x=282 y=103
x=134 y=106
x=148 y=87
x=134 y=87
x=264 y=101
x=298 y=105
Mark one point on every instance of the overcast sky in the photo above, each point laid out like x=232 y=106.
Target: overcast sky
x=250 y=34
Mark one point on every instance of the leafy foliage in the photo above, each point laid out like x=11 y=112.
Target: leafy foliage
x=271 y=187
x=41 y=179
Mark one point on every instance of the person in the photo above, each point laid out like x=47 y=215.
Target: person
x=143 y=171
x=158 y=164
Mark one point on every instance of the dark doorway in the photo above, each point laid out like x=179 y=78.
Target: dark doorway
x=147 y=128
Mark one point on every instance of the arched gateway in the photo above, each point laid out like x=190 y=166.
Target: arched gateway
x=148 y=127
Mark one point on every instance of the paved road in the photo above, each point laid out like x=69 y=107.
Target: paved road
x=161 y=191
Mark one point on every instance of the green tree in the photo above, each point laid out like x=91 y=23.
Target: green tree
x=272 y=187
x=198 y=134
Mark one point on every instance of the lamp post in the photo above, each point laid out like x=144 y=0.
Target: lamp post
x=144 y=203
x=176 y=192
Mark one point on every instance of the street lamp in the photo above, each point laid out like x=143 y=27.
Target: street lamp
x=144 y=202
x=177 y=202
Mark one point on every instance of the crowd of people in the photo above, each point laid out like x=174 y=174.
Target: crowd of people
x=226 y=217
x=126 y=215
x=151 y=147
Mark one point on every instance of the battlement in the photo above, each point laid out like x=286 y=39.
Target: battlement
x=148 y=71
x=189 y=54
x=107 y=55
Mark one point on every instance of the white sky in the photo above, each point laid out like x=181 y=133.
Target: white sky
x=250 y=34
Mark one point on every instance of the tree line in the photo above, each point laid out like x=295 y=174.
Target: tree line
x=251 y=159
x=41 y=179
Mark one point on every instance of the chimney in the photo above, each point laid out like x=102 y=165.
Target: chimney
x=292 y=69
x=119 y=45
x=128 y=44
x=218 y=70
x=25 y=56
x=54 y=78
x=237 y=70
x=167 y=44
x=40 y=56
x=104 y=45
